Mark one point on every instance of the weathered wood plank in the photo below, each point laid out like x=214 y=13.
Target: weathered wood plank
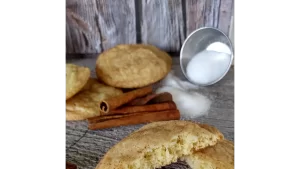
x=82 y=31
x=201 y=13
x=195 y=14
x=97 y=25
x=225 y=13
x=231 y=28
x=74 y=132
x=116 y=22
x=162 y=24
x=211 y=13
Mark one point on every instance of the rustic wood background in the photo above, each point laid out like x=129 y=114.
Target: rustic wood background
x=93 y=26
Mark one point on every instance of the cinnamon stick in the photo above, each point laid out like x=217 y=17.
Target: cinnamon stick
x=70 y=166
x=107 y=117
x=132 y=110
x=115 y=102
x=145 y=108
x=139 y=118
x=151 y=98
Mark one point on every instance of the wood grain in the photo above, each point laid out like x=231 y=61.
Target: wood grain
x=195 y=14
x=225 y=13
x=86 y=147
x=96 y=25
x=231 y=28
x=93 y=26
x=82 y=33
x=116 y=19
x=162 y=24
x=231 y=33
x=210 y=13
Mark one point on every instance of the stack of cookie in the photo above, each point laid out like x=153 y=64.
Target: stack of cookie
x=122 y=67
x=85 y=103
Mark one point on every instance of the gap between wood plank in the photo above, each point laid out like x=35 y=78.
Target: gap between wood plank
x=138 y=13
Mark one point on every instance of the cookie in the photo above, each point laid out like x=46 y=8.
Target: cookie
x=76 y=78
x=219 y=156
x=132 y=66
x=85 y=104
x=157 y=144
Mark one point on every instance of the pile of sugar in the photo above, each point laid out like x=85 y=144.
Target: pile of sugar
x=210 y=64
x=189 y=101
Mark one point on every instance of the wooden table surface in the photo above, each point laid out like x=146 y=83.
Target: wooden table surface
x=85 y=147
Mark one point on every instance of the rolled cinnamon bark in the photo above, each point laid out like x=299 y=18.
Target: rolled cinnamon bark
x=145 y=108
x=107 y=117
x=115 y=102
x=140 y=118
x=151 y=98
x=133 y=110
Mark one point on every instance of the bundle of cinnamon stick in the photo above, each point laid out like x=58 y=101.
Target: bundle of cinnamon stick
x=135 y=107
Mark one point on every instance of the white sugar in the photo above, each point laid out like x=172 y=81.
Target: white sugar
x=191 y=104
x=172 y=80
x=186 y=96
x=209 y=65
x=219 y=47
